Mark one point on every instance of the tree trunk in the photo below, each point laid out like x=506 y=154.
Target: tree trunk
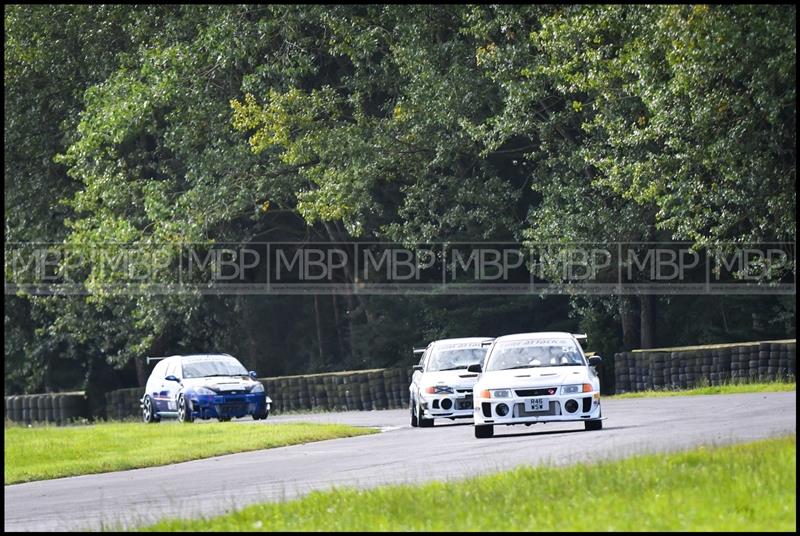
x=648 y=320
x=320 y=351
x=362 y=302
x=338 y=320
x=724 y=316
x=630 y=323
x=141 y=371
x=350 y=314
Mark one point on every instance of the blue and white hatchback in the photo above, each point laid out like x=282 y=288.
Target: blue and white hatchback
x=187 y=387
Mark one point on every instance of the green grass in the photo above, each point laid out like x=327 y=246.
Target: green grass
x=709 y=346
x=725 y=389
x=734 y=488
x=44 y=452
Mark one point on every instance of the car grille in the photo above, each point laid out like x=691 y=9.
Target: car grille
x=553 y=409
x=537 y=392
x=464 y=404
x=231 y=409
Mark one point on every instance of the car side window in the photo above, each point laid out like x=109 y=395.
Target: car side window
x=425 y=356
x=174 y=369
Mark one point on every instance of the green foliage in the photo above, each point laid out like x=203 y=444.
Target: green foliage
x=46 y=452
x=154 y=126
x=691 y=111
x=724 y=389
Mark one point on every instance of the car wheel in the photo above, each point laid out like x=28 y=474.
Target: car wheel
x=261 y=416
x=148 y=411
x=483 y=431
x=422 y=421
x=223 y=419
x=412 y=409
x=184 y=411
x=594 y=425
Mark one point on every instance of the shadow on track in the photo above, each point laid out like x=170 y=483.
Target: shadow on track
x=555 y=432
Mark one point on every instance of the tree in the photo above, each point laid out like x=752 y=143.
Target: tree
x=155 y=127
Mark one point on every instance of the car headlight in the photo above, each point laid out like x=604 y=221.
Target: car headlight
x=438 y=389
x=577 y=388
x=204 y=391
x=496 y=393
x=257 y=388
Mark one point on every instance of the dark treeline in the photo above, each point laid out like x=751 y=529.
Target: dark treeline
x=181 y=124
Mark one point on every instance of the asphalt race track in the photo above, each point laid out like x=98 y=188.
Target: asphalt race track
x=399 y=454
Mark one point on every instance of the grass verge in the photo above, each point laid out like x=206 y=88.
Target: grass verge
x=725 y=389
x=44 y=452
x=741 y=487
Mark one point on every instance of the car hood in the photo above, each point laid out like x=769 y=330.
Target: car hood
x=534 y=377
x=460 y=379
x=221 y=384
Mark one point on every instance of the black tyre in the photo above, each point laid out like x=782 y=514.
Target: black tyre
x=149 y=414
x=484 y=431
x=223 y=419
x=422 y=421
x=262 y=415
x=594 y=425
x=184 y=411
x=412 y=409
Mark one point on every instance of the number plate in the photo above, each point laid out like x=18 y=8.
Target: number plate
x=537 y=404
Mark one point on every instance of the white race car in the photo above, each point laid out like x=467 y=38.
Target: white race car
x=441 y=386
x=536 y=377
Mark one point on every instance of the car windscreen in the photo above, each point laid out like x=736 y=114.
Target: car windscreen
x=534 y=353
x=455 y=358
x=221 y=367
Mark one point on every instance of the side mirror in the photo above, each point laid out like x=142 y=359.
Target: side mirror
x=253 y=374
x=172 y=378
x=417 y=367
x=595 y=360
x=475 y=368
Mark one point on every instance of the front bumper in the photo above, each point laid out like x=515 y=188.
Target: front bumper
x=222 y=405
x=456 y=405
x=555 y=409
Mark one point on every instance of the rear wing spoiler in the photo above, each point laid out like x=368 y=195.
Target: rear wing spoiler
x=419 y=350
x=149 y=358
x=582 y=339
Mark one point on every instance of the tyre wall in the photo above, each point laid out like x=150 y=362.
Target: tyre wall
x=57 y=408
x=638 y=370
x=692 y=366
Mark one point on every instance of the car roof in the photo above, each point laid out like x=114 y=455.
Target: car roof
x=206 y=357
x=461 y=340
x=535 y=335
